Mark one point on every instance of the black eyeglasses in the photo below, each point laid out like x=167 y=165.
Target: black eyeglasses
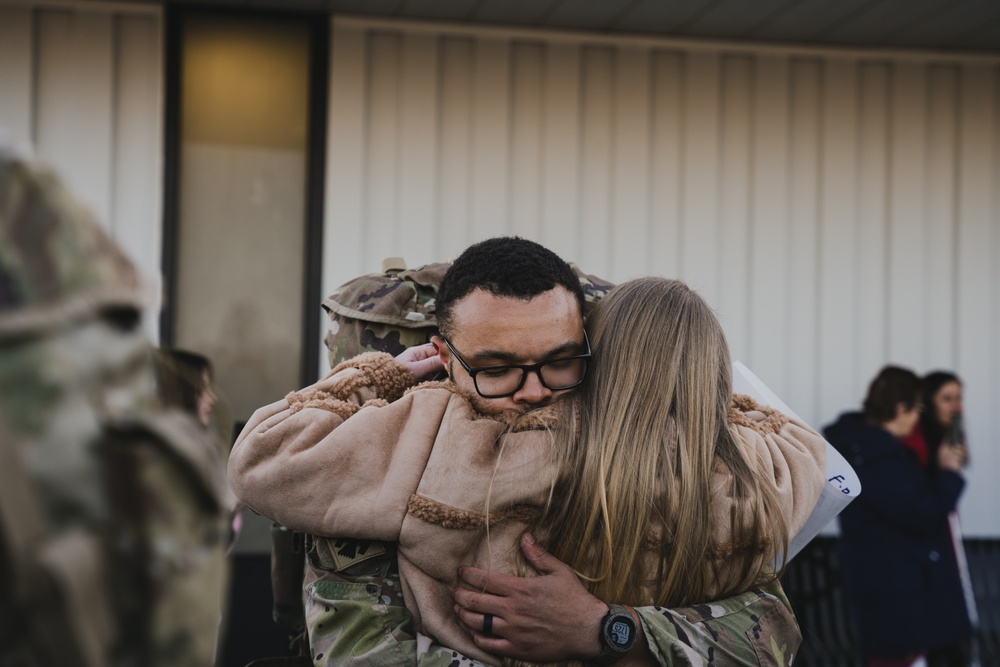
x=503 y=381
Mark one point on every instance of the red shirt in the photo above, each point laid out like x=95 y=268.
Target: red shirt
x=915 y=443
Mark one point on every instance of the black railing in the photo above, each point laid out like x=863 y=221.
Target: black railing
x=829 y=638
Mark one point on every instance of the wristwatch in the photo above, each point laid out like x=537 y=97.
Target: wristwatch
x=618 y=633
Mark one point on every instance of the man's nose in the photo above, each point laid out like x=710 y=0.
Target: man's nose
x=533 y=391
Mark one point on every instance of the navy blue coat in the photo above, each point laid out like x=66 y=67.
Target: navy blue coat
x=899 y=568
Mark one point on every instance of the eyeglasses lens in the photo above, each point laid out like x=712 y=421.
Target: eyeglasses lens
x=556 y=375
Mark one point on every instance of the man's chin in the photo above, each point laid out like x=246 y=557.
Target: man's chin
x=503 y=412
x=491 y=407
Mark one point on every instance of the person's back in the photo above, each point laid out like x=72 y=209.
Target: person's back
x=111 y=522
x=663 y=460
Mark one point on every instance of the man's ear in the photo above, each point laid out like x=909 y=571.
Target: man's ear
x=442 y=349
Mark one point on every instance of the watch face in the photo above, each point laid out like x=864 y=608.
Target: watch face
x=621 y=633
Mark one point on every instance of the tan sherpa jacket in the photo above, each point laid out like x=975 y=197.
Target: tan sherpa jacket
x=417 y=471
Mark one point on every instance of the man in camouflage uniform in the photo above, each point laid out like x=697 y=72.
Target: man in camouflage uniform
x=112 y=510
x=354 y=606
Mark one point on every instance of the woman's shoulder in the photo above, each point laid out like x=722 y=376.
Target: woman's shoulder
x=747 y=413
x=753 y=421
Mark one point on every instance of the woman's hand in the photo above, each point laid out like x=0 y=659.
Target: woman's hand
x=422 y=361
x=952 y=457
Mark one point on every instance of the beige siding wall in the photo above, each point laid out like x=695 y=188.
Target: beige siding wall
x=81 y=87
x=840 y=210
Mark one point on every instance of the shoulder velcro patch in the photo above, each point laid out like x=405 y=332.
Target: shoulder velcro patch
x=337 y=555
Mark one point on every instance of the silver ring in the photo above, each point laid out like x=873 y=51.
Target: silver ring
x=487 y=624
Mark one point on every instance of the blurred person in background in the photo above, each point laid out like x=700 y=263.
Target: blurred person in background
x=941 y=426
x=185 y=380
x=941 y=421
x=897 y=559
x=112 y=507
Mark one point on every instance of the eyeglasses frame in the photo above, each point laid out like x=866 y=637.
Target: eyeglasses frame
x=525 y=369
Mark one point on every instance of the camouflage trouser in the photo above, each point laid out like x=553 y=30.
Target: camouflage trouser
x=355 y=614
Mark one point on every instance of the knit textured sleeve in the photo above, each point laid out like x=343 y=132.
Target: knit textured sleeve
x=787 y=454
x=372 y=378
x=287 y=462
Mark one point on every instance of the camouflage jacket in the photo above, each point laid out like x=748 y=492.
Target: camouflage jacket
x=299 y=462
x=112 y=525
x=358 y=618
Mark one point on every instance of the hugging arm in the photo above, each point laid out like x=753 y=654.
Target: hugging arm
x=552 y=617
x=545 y=618
x=282 y=462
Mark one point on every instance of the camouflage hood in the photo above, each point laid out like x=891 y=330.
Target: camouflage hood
x=56 y=263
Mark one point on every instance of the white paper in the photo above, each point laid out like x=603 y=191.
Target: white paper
x=842 y=485
x=963 y=568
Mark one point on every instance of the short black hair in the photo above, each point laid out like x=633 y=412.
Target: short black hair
x=893 y=385
x=505 y=266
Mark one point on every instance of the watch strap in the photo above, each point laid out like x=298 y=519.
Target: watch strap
x=617 y=634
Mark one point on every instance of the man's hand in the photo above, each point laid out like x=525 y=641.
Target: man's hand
x=543 y=618
x=422 y=361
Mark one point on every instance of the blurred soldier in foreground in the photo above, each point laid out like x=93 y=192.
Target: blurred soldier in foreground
x=113 y=511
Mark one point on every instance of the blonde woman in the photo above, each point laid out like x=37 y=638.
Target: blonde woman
x=666 y=496
x=652 y=481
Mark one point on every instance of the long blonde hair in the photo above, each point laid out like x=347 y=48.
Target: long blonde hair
x=631 y=512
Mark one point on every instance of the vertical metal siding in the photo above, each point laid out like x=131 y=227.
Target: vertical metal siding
x=17 y=72
x=82 y=90
x=839 y=210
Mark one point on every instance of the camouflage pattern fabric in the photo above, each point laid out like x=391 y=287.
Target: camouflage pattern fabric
x=756 y=628
x=356 y=616
x=56 y=263
x=112 y=526
x=752 y=629
x=383 y=312
x=430 y=654
x=355 y=613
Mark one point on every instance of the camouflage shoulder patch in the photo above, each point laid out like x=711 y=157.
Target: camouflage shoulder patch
x=338 y=554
